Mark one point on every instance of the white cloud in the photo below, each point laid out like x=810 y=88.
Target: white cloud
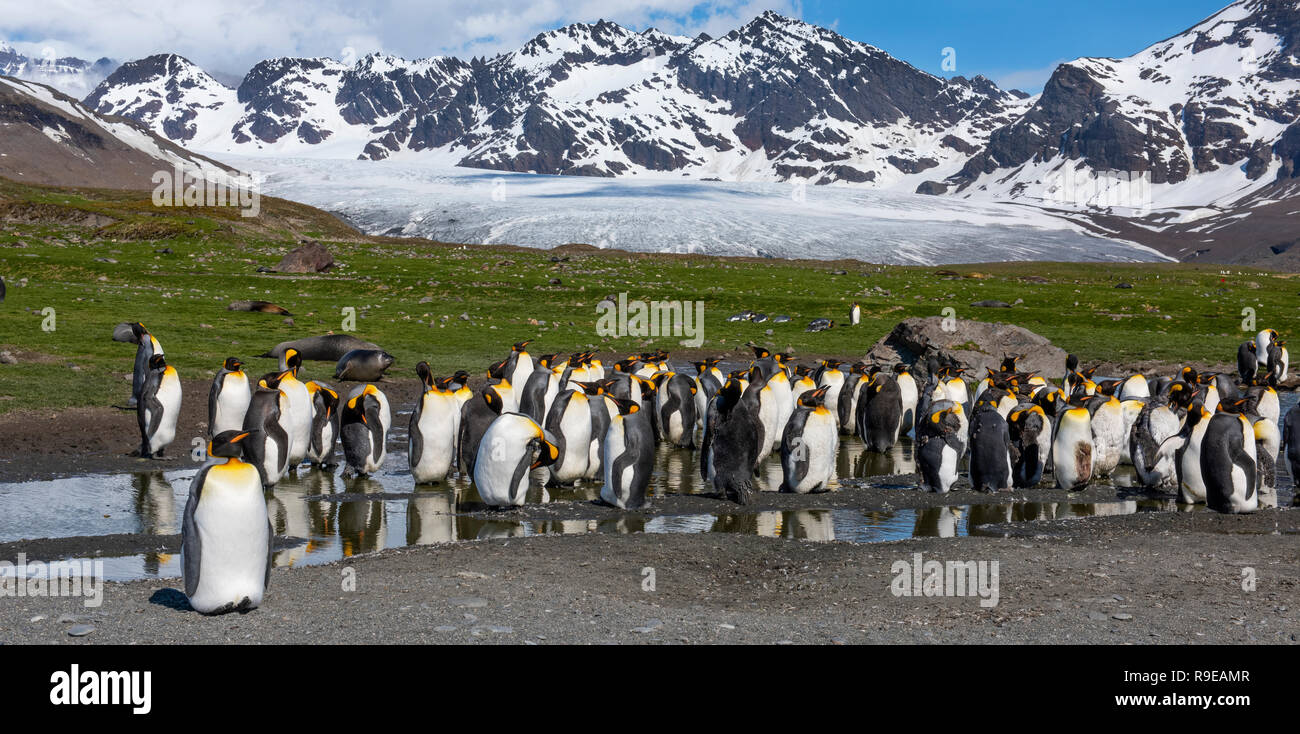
x=1028 y=80
x=232 y=36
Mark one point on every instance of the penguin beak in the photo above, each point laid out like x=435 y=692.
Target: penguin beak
x=239 y=438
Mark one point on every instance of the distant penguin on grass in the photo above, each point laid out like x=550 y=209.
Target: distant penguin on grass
x=226 y=534
x=146 y=347
x=855 y=314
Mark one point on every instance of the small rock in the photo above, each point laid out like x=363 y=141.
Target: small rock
x=37 y=618
x=991 y=304
x=469 y=602
x=67 y=619
x=1096 y=616
x=288 y=321
x=1122 y=616
x=444 y=628
x=650 y=626
x=555 y=281
x=80 y=630
x=471 y=575
x=7 y=358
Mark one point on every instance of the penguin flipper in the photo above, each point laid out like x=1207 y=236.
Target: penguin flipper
x=270 y=554
x=191 y=541
x=415 y=440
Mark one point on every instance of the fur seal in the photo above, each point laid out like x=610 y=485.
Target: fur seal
x=258 y=307
x=363 y=365
x=327 y=348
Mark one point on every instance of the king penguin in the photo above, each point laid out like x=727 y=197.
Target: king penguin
x=268 y=446
x=909 y=393
x=364 y=422
x=1228 y=464
x=228 y=398
x=675 y=408
x=1030 y=430
x=519 y=367
x=1072 y=450
x=159 y=407
x=226 y=534
x=627 y=458
x=569 y=425
x=324 y=424
x=298 y=417
x=880 y=412
x=990 y=449
x=431 y=434
x=147 y=347
x=732 y=434
x=809 y=445
x=940 y=446
x=512 y=447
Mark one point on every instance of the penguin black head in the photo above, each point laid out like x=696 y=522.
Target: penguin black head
x=547 y=452
x=590 y=388
x=519 y=347
x=546 y=360
x=728 y=395
x=1071 y=362
x=1009 y=362
x=901 y=369
x=759 y=352
x=292 y=360
x=802 y=371
x=425 y=374
x=497 y=369
x=139 y=332
x=460 y=378
x=648 y=388
x=626 y=406
x=228 y=444
x=232 y=364
x=813 y=398
x=493 y=400
x=157 y=362
x=270 y=380
x=1183 y=394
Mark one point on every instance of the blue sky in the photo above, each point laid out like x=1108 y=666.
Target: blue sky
x=1014 y=43
x=1007 y=40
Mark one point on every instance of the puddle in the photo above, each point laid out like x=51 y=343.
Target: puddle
x=151 y=503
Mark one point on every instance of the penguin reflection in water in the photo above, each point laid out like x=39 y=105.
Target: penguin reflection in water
x=226 y=534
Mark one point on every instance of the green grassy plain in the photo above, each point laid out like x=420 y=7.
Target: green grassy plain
x=94 y=257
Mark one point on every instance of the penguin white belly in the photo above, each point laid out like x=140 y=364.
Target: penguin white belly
x=948 y=468
x=1107 y=435
x=232 y=526
x=821 y=442
x=1192 y=489
x=1269 y=406
x=907 y=385
x=783 y=405
x=169 y=396
x=232 y=404
x=298 y=420
x=438 y=424
x=327 y=439
x=576 y=427
x=1211 y=398
x=767 y=416
x=1073 y=454
x=612 y=491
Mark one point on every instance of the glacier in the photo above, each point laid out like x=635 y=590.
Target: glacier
x=428 y=196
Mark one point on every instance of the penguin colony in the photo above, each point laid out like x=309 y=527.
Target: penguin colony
x=1212 y=438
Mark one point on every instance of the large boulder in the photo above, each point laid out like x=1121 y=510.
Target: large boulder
x=978 y=345
x=311 y=257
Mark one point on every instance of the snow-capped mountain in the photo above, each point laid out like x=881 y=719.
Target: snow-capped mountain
x=1207 y=116
x=47 y=137
x=68 y=74
x=775 y=100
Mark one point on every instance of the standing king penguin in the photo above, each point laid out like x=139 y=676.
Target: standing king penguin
x=226 y=534
x=435 y=424
x=628 y=457
x=228 y=398
x=158 y=408
x=365 y=420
